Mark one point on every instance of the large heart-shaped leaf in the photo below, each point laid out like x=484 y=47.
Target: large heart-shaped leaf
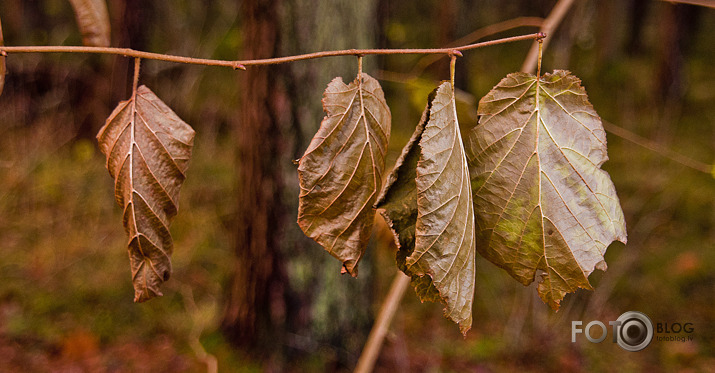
x=437 y=240
x=341 y=171
x=148 y=148
x=542 y=201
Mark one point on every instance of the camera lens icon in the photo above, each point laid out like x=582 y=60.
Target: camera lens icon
x=634 y=331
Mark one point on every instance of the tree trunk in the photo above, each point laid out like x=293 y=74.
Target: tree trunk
x=254 y=313
x=287 y=297
x=333 y=311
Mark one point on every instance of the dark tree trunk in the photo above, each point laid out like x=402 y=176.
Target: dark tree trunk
x=255 y=307
x=677 y=25
x=637 y=14
x=287 y=296
x=129 y=30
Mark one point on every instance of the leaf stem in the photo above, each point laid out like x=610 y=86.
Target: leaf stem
x=538 y=62
x=550 y=24
x=359 y=74
x=127 y=52
x=452 y=66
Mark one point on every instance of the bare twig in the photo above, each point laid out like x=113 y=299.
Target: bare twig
x=550 y=24
x=705 y=3
x=196 y=330
x=374 y=341
x=268 y=61
x=479 y=34
x=656 y=147
x=126 y=52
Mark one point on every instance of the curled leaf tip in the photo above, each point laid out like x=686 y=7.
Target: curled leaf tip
x=349 y=269
x=143 y=296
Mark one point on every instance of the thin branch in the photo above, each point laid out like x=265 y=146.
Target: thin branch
x=371 y=351
x=479 y=34
x=196 y=330
x=268 y=61
x=126 y=52
x=550 y=24
x=705 y=3
x=657 y=148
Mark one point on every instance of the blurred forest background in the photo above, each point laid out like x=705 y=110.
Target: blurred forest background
x=249 y=292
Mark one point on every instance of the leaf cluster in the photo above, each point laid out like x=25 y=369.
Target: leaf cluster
x=524 y=188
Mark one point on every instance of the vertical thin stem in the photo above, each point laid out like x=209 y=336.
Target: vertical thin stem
x=538 y=61
x=359 y=67
x=135 y=84
x=371 y=351
x=452 y=65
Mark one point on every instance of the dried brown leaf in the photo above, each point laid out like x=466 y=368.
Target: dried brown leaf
x=341 y=171
x=428 y=204
x=148 y=148
x=543 y=202
x=397 y=204
x=93 y=22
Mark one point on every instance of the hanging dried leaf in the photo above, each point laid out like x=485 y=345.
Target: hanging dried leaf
x=148 y=148
x=432 y=216
x=397 y=204
x=543 y=202
x=444 y=239
x=93 y=22
x=341 y=171
x=2 y=63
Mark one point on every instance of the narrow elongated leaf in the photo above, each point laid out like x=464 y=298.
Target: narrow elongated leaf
x=2 y=63
x=444 y=239
x=93 y=22
x=397 y=204
x=439 y=255
x=148 y=148
x=341 y=171
x=543 y=202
